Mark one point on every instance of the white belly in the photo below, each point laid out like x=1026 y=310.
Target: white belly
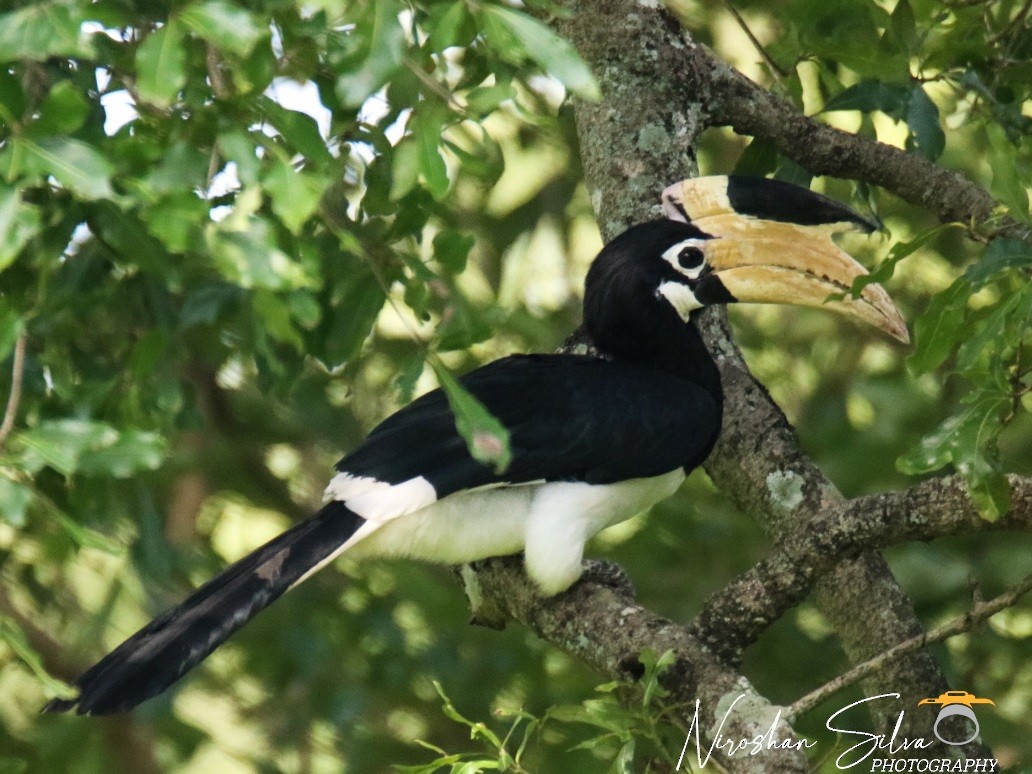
x=550 y=521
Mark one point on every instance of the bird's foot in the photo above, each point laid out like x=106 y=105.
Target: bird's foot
x=606 y=573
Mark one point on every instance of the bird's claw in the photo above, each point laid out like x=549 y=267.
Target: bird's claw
x=606 y=573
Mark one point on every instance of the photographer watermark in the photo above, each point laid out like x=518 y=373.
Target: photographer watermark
x=866 y=751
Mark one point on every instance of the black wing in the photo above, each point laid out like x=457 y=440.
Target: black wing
x=570 y=418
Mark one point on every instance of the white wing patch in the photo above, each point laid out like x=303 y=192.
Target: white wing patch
x=344 y=486
x=378 y=500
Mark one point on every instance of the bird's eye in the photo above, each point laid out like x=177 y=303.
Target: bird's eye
x=690 y=258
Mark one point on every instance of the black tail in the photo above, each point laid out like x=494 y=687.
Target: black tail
x=168 y=647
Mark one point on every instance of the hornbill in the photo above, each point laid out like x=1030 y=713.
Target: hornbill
x=594 y=439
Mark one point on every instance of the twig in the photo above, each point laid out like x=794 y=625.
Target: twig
x=959 y=625
x=17 y=374
x=220 y=87
x=1018 y=19
x=435 y=86
x=775 y=69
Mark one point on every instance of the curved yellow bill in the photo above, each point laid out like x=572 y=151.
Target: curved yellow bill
x=772 y=243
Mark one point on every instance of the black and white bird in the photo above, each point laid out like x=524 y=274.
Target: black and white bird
x=594 y=440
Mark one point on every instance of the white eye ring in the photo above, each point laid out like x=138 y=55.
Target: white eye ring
x=674 y=255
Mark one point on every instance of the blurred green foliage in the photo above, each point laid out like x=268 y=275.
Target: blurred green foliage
x=238 y=234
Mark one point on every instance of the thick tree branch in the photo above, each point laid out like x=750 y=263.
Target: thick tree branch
x=731 y=99
x=660 y=89
x=736 y=616
x=759 y=464
x=603 y=626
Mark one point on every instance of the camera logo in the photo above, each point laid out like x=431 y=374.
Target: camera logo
x=956 y=703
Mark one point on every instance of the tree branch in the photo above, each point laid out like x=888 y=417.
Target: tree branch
x=731 y=99
x=658 y=88
x=734 y=617
x=602 y=625
x=17 y=375
x=964 y=623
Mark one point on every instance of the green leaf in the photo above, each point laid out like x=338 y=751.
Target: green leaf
x=43 y=30
x=904 y=26
x=451 y=249
x=884 y=271
x=206 y=303
x=19 y=222
x=63 y=111
x=86 y=537
x=991 y=494
x=134 y=451
x=936 y=332
x=405 y=167
x=161 y=65
x=869 y=95
x=275 y=316
x=486 y=437
x=177 y=219
x=933 y=452
x=968 y=441
x=61 y=443
x=427 y=132
x=925 y=127
x=250 y=258
x=1002 y=254
x=1007 y=184
x=74 y=164
x=992 y=336
x=71 y=446
x=384 y=51
x=183 y=168
x=298 y=129
x=12 y=98
x=654 y=668
x=228 y=27
x=552 y=53
x=405 y=383
x=625 y=758
x=360 y=299
x=486 y=99
x=238 y=147
x=759 y=158
x=305 y=309
x=295 y=195
x=14 y=501
x=447 y=20
x=14 y=637
x=11 y=326
x=82 y=446
x=461 y=326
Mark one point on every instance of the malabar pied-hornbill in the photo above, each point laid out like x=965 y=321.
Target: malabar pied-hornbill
x=594 y=440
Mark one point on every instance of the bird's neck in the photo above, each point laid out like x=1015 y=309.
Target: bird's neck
x=659 y=342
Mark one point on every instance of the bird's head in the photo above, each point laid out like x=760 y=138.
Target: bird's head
x=737 y=239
